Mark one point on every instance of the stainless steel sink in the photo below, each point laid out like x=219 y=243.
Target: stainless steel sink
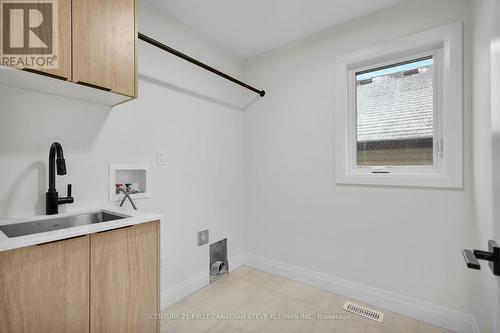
x=56 y=223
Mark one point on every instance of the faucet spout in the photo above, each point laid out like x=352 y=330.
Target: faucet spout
x=56 y=163
x=56 y=150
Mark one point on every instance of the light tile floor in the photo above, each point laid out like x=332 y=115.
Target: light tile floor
x=250 y=292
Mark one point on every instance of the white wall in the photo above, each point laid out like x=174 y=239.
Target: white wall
x=404 y=240
x=181 y=110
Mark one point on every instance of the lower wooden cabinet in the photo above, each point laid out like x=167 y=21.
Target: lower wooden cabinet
x=44 y=288
x=124 y=285
x=104 y=282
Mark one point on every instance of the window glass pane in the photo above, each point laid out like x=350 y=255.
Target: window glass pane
x=394 y=106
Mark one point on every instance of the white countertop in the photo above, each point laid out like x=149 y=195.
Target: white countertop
x=136 y=217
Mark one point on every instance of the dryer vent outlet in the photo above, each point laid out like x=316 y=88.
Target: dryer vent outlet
x=218 y=265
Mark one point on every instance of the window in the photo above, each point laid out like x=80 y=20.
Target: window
x=395 y=114
x=400 y=122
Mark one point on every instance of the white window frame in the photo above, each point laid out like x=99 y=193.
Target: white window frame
x=445 y=46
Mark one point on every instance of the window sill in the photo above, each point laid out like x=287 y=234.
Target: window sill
x=401 y=180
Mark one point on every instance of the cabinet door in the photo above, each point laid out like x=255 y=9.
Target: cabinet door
x=125 y=279
x=63 y=20
x=104 y=37
x=45 y=288
x=63 y=69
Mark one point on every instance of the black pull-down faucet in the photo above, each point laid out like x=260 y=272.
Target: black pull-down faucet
x=52 y=197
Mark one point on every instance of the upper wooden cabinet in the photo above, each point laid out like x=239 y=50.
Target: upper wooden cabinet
x=104 y=44
x=61 y=46
x=96 y=47
x=63 y=69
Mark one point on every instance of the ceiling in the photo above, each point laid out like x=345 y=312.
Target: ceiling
x=249 y=27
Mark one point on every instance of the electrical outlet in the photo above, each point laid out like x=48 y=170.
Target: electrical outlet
x=160 y=158
x=202 y=237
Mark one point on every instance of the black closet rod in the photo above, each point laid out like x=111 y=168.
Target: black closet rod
x=179 y=54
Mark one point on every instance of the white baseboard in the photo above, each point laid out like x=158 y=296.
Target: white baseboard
x=184 y=288
x=434 y=314
x=237 y=261
x=431 y=313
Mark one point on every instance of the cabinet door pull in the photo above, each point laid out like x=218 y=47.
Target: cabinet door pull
x=128 y=226
x=36 y=71
x=60 y=240
x=83 y=83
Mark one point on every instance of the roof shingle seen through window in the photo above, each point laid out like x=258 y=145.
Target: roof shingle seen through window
x=396 y=107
